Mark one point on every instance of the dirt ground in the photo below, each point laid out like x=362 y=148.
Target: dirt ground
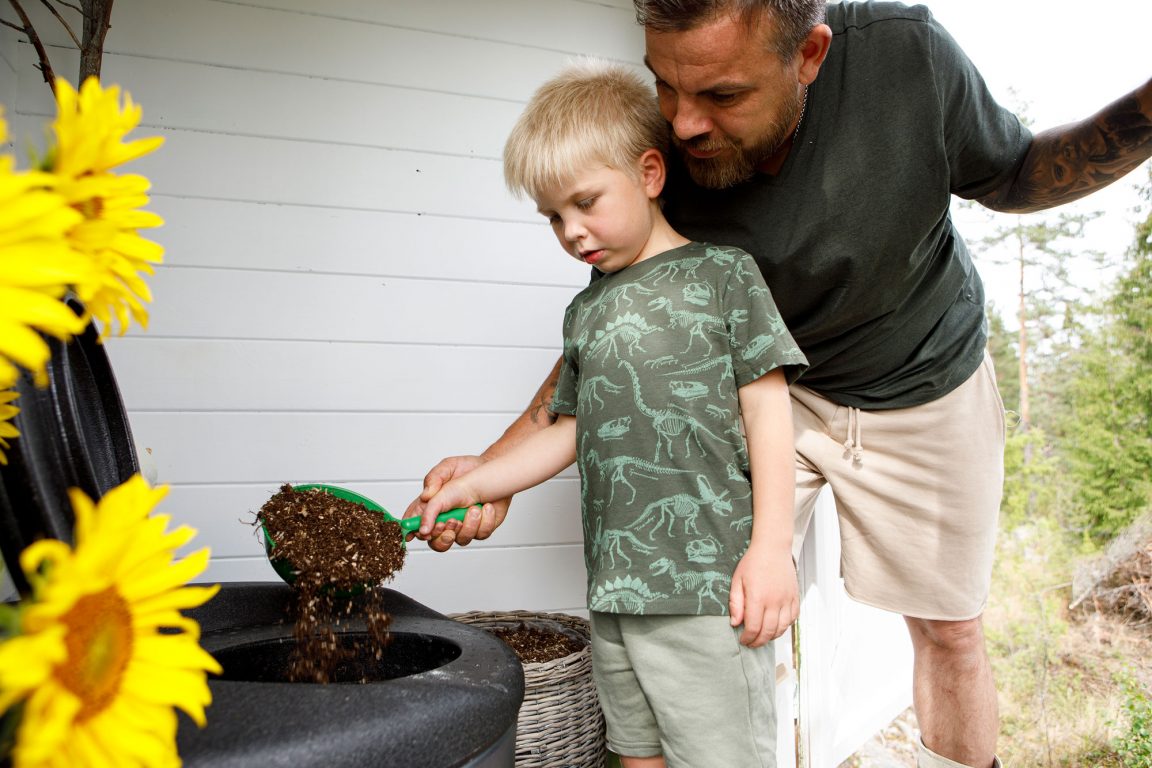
x=1066 y=715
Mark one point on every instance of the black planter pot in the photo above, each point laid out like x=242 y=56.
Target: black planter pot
x=446 y=694
x=74 y=433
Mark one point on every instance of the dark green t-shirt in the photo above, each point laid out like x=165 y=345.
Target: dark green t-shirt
x=854 y=235
x=654 y=356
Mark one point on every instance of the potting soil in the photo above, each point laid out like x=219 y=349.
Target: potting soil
x=536 y=644
x=342 y=553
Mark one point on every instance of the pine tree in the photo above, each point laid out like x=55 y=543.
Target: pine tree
x=1106 y=434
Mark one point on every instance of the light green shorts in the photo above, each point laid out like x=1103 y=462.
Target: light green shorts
x=683 y=687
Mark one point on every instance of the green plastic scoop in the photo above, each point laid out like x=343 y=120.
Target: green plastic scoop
x=407 y=525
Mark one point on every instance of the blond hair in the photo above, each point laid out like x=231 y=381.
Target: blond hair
x=594 y=113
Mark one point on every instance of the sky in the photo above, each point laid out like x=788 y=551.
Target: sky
x=1064 y=61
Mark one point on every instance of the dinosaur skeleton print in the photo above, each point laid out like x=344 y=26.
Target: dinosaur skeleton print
x=653 y=358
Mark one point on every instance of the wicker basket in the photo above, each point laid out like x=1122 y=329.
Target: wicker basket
x=560 y=724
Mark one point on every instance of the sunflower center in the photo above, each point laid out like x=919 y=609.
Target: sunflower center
x=91 y=208
x=99 y=642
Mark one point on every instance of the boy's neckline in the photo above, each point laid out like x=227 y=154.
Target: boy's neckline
x=650 y=260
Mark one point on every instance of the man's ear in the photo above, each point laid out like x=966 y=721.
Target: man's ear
x=813 y=51
x=653 y=172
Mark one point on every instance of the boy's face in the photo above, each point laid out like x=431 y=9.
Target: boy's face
x=602 y=217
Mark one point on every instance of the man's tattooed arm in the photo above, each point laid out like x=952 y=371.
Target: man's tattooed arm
x=1066 y=163
x=535 y=417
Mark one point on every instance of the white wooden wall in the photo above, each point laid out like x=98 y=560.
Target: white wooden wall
x=348 y=293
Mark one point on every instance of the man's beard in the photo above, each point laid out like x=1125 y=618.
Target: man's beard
x=738 y=161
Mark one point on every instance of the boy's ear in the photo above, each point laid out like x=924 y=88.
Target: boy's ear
x=653 y=172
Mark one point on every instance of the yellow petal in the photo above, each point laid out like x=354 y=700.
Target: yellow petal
x=176 y=600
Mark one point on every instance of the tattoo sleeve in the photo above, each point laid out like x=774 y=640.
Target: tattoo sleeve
x=1066 y=163
x=534 y=418
x=538 y=412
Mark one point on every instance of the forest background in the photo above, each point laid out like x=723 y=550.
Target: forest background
x=1069 y=623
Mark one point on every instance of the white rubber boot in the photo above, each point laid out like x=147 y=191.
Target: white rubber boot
x=926 y=758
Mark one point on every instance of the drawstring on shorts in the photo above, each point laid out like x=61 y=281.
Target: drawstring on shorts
x=854 y=444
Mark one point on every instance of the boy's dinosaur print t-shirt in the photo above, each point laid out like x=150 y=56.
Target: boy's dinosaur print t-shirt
x=653 y=358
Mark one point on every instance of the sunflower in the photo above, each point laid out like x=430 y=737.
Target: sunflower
x=104 y=654
x=7 y=412
x=90 y=128
x=119 y=255
x=36 y=266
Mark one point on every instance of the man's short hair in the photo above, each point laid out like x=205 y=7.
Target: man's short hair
x=594 y=113
x=792 y=19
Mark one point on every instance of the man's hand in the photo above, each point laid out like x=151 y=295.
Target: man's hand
x=765 y=596
x=479 y=523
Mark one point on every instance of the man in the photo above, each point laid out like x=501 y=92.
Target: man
x=828 y=142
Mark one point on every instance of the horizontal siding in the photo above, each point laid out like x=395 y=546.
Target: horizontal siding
x=348 y=292
x=275 y=305
x=315 y=239
x=602 y=23
x=320 y=109
x=196 y=375
x=266 y=170
x=508 y=50
x=317 y=447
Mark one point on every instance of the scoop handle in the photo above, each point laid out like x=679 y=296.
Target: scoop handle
x=410 y=524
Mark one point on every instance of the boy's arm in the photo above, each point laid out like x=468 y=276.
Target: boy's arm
x=765 y=596
x=529 y=462
x=481 y=521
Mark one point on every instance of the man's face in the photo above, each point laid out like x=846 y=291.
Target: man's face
x=731 y=100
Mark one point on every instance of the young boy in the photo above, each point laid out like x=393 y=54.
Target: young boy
x=670 y=357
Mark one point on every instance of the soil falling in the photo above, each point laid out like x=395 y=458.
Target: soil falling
x=342 y=553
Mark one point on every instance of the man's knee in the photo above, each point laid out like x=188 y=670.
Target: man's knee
x=933 y=635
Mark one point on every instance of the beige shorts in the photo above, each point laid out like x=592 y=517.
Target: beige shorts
x=683 y=687
x=917 y=493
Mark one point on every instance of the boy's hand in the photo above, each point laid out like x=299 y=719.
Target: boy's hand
x=450 y=496
x=765 y=597
x=480 y=521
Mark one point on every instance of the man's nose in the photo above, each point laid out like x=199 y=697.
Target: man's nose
x=690 y=120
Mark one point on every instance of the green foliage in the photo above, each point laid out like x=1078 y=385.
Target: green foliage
x=1026 y=627
x=1075 y=476
x=1105 y=425
x=1106 y=442
x=9 y=621
x=1033 y=480
x=1006 y=360
x=1134 y=746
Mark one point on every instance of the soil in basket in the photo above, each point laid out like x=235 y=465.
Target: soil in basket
x=535 y=644
x=342 y=553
